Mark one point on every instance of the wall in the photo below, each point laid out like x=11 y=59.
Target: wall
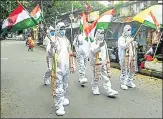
x=124 y=11
x=135 y=7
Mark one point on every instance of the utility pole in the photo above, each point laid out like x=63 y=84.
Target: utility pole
x=41 y=38
x=71 y=22
x=42 y=7
x=55 y=22
x=10 y=6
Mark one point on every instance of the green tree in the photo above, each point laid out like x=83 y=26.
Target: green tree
x=9 y=5
x=51 y=8
x=60 y=7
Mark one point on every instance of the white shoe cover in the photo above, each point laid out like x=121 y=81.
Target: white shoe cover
x=112 y=92
x=83 y=81
x=131 y=84
x=124 y=87
x=96 y=91
x=60 y=111
x=47 y=82
x=66 y=102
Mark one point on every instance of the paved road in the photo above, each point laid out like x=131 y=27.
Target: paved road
x=24 y=95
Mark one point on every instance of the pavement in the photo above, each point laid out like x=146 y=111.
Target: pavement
x=23 y=94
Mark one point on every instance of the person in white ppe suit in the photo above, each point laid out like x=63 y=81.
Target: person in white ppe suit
x=49 y=59
x=100 y=63
x=61 y=46
x=82 y=54
x=126 y=53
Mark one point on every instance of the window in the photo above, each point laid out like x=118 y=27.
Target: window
x=160 y=1
x=142 y=5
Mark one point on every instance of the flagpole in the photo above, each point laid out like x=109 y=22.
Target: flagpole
x=55 y=23
x=138 y=30
x=157 y=45
x=42 y=7
x=71 y=24
x=42 y=22
x=42 y=11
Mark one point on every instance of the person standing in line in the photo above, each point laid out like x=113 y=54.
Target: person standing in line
x=47 y=75
x=100 y=63
x=82 y=54
x=126 y=53
x=64 y=64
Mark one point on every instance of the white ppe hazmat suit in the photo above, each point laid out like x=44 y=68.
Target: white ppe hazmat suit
x=126 y=53
x=50 y=31
x=82 y=54
x=49 y=59
x=61 y=46
x=100 y=63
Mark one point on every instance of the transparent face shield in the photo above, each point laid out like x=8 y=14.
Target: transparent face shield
x=100 y=34
x=127 y=31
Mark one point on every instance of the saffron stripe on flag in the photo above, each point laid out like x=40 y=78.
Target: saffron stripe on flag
x=155 y=20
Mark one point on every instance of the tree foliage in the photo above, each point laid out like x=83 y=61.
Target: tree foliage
x=7 y=6
x=60 y=7
x=51 y=8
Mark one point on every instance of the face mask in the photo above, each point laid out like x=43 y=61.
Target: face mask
x=129 y=33
x=62 y=32
x=52 y=33
x=100 y=36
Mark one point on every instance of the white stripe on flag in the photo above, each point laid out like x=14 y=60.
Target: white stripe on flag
x=5 y=23
x=105 y=18
x=22 y=16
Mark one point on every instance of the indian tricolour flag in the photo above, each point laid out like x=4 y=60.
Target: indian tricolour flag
x=36 y=14
x=152 y=21
x=83 y=21
x=101 y=23
x=150 y=17
x=83 y=25
x=19 y=19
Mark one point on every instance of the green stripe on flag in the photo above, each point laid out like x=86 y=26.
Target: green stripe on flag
x=103 y=25
x=91 y=40
x=27 y=23
x=39 y=19
x=81 y=27
x=151 y=25
x=86 y=39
